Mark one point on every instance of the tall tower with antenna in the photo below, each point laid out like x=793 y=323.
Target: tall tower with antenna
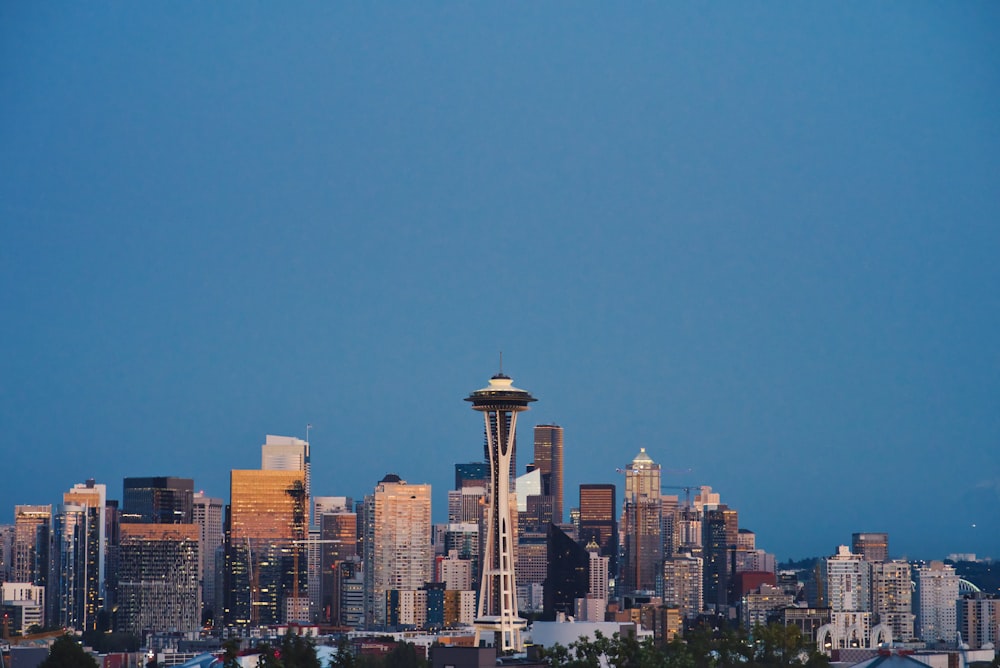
x=499 y=402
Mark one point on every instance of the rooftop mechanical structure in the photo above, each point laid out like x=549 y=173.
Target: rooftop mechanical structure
x=499 y=402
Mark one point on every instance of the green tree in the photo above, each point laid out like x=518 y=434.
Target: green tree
x=230 y=653
x=66 y=652
x=404 y=655
x=298 y=652
x=344 y=658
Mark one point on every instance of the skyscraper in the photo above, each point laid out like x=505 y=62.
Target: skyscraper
x=598 y=520
x=287 y=453
x=402 y=558
x=265 y=546
x=207 y=514
x=892 y=597
x=643 y=525
x=720 y=530
x=158 y=578
x=549 y=460
x=871 y=546
x=32 y=531
x=937 y=594
x=499 y=402
x=79 y=542
x=157 y=500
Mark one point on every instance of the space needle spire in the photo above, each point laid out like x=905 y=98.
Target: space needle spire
x=499 y=402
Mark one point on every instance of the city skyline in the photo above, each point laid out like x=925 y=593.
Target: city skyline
x=758 y=241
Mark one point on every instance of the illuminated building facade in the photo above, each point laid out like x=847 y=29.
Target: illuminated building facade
x=32 y=532
x=643 y=525
x=549 y=460
x=79 y=544
x=265 y=545
x=598 y=520
x=157 y=500
x=871 y=546
x=158 y=578
x=402 y=558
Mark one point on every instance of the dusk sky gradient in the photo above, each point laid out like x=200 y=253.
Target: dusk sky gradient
x=761 y=240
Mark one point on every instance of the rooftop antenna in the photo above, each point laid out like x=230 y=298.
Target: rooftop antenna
x=308 y=427
x=501 y=361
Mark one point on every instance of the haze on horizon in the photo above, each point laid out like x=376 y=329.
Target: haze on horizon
x=758 y=240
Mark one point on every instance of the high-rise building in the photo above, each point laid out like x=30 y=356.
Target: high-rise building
x=720 y=533
x=643 y=525
x=871 y=546
x=598 y=573
x=157 y=500
x=6 y=552
x=682 y=584
x=287 y=453
x=599 y=520
x=403 y=558
x=567 y=577
x=500 y=402
x=158 y=578
x=207 y=515
x=79 y=559
x=937 y=594
x=847 y=581
x=32 y=534
x=473 y=474
x=265 y=546
x=549 y=460
x=979 y=619
x=338 y=543
x=892 y=597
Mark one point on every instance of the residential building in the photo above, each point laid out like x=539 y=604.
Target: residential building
x=937 y=595
x=402 y=556
x=871 y=546
x=978 y=619
x=892 y=597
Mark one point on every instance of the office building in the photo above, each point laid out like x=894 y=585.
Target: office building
x=32 y=535
x=549 y=461
x=720 y=533
x=158 y=578
x=23 y=606
x=338 y=543
x=207 y=515
x=402 y=557
x=287 y=453
x=500 y=402
x=871 y=546
x=473 y=474
x=157 y=500
x=599 y=520
x=937 y=596
x=567 y=577
x=265 y=545
x=643 y=525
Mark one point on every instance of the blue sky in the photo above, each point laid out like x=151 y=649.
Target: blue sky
x=759 y=240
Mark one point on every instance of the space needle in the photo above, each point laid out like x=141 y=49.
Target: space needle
x=499 y=402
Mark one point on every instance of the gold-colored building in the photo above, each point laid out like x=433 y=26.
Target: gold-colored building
x=265 y=545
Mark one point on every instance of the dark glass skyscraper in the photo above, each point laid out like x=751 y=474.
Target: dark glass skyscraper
x=598 y=520
x=157 y=500
x=549 y=460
